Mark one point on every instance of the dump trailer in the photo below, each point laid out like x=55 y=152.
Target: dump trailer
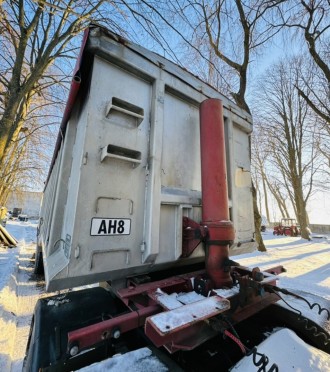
x=149 y=194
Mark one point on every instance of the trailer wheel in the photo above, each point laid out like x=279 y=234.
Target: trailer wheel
x=38 y=263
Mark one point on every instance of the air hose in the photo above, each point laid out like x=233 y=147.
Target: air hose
x=308 y=327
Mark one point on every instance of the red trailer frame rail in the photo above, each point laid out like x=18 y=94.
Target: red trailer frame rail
x=165 y=298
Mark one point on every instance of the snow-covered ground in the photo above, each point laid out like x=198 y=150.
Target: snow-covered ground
x=308 y=274
x=19 y=291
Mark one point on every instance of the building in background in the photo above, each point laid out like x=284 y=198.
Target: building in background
x=28 y=201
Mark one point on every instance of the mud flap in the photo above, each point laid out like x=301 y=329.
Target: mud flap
x=38 y=263
x=54 y=317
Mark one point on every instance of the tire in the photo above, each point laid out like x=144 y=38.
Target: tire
x=288 y=232
x=38 y=262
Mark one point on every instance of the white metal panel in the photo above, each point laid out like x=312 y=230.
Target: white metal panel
x=243 y=200
x=181 y=145
x=111 y=188
x=60 y=197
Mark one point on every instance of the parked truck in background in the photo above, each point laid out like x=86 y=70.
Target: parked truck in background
x=149 y=191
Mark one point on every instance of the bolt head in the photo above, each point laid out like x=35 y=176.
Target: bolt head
x=74 y=350
x=116 y=334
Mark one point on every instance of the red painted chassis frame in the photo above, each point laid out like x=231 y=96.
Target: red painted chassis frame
x=141 y=303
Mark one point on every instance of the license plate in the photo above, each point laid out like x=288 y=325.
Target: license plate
x=110 y=226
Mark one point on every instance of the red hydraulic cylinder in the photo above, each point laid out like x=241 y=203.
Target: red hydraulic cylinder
x=215 y=211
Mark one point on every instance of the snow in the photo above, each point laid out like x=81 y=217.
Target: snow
x=140 y=360
x=182 y=316
x=190 y=297
x=291 y=355
x=307 y=265
x=19 y=292
x=174 y=300
x=58 y=301
x=227 y=292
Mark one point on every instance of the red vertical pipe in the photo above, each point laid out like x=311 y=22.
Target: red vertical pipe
x=213 y=157
x=215 y=212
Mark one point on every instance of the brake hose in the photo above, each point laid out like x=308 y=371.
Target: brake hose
x=259 y=360
x=311 y=328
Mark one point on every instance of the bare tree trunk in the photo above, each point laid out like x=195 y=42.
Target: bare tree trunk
x=301 y=210
x=265 y=195
x=257 y=222
x=279 y=199
x=287 y=215
x=6 y=127
x=256 y=183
